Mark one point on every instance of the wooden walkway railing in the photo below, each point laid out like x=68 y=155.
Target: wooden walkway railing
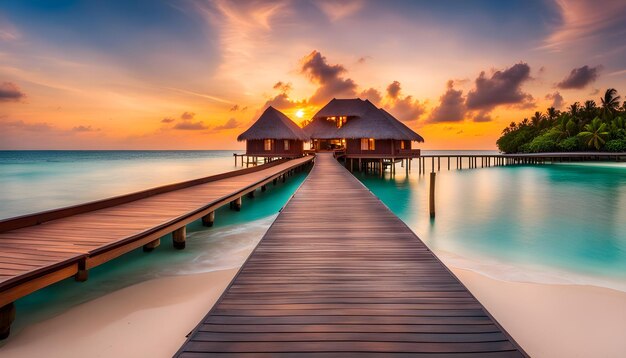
x=338 y=273
x=40 y=249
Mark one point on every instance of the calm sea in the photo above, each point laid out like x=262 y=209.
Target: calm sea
x=562 y=223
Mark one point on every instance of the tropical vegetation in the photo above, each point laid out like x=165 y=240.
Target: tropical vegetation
x=586 y=127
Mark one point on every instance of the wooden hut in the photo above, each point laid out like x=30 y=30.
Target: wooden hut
x=274 y=135
x=362 y=130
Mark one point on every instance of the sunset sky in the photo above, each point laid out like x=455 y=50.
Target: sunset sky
x=185 y=74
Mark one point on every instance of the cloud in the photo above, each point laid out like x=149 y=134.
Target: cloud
x=580 y=77
x=585 y=21
x=503 y=87
x=361 y=60
x=82 y=128
x=328 y=77
x=230 y=124
x=405 y=108
x=234 y=108
x=482 y=116
x=29 y=127
x=372 y=94
x=451 y=106
x=191 y=126
x=167 y=120
x=556 y=98
x=393 y=90
x=337 y=10
x=283 y=87
x=10 y=92
x=187 y=116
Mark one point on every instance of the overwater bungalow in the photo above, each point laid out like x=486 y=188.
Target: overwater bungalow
x=357 y=129
x=274 y=135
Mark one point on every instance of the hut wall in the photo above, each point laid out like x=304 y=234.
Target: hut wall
x=256 y=147
x=381 y=146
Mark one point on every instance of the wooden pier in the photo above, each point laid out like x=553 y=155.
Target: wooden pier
x=338 y=273
x=40 y=249
x=438 y=162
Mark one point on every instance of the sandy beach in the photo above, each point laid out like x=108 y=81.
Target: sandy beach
x=151 y=319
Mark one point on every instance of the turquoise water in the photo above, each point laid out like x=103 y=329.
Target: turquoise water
x=562 y=219
x=225 y=245
x=32 y=181
x=567 y=220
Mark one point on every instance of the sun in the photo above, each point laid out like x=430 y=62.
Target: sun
x=300 y=113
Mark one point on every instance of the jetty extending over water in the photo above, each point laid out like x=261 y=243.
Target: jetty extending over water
x=339 y=273
x=40 y=249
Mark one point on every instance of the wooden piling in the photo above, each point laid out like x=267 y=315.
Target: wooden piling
x=82 y=274
x=179 y=237
x=208 y=219
x=7 y=316
x=251 y=194
x=433 y=176
x=151 y=245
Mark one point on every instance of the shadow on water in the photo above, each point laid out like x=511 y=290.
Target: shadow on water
x=565 y=217
x=225 y=245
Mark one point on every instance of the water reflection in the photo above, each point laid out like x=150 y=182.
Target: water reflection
x=568 y=217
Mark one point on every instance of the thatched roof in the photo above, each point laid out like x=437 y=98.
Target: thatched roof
x=345 y=107
x=273 y=124
x=365 y=121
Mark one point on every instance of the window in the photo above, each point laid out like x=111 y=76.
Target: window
x=401 y=144
x=341 y=121
x=364 y=144
x=286 y=144
x=368 y=144
x=267 y=145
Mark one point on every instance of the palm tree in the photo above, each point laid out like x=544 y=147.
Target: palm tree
x=524 y=123
x=594 y=133
x=574 y=109
x=610 y=102
x=536 y=119
x=552 y=113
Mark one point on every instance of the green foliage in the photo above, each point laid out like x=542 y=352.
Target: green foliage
x=616 y=145
x=595 y=133
x=570 y=144
x=578 y=128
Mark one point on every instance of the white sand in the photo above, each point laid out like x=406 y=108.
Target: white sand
x=151 y=319
x=550 y=320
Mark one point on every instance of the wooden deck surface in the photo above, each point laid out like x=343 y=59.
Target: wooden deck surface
x=339 y=274
x=35 y=256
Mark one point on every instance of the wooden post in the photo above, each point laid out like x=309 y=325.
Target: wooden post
x=284 y=177
x=263 y=188
x=178 y=237
x=419 y=162
x=236 y=204
x=151 y=245
x=448 y=163
x=82 y=274
x=208 y=219
x=251 y=194
x=433 y=176
x=274 y=181
x=7 y=316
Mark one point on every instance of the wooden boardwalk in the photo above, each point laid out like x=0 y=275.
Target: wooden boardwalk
x=40 y=249
x=339 y=274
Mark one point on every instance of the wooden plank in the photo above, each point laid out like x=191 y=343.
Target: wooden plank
x=338 y=273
